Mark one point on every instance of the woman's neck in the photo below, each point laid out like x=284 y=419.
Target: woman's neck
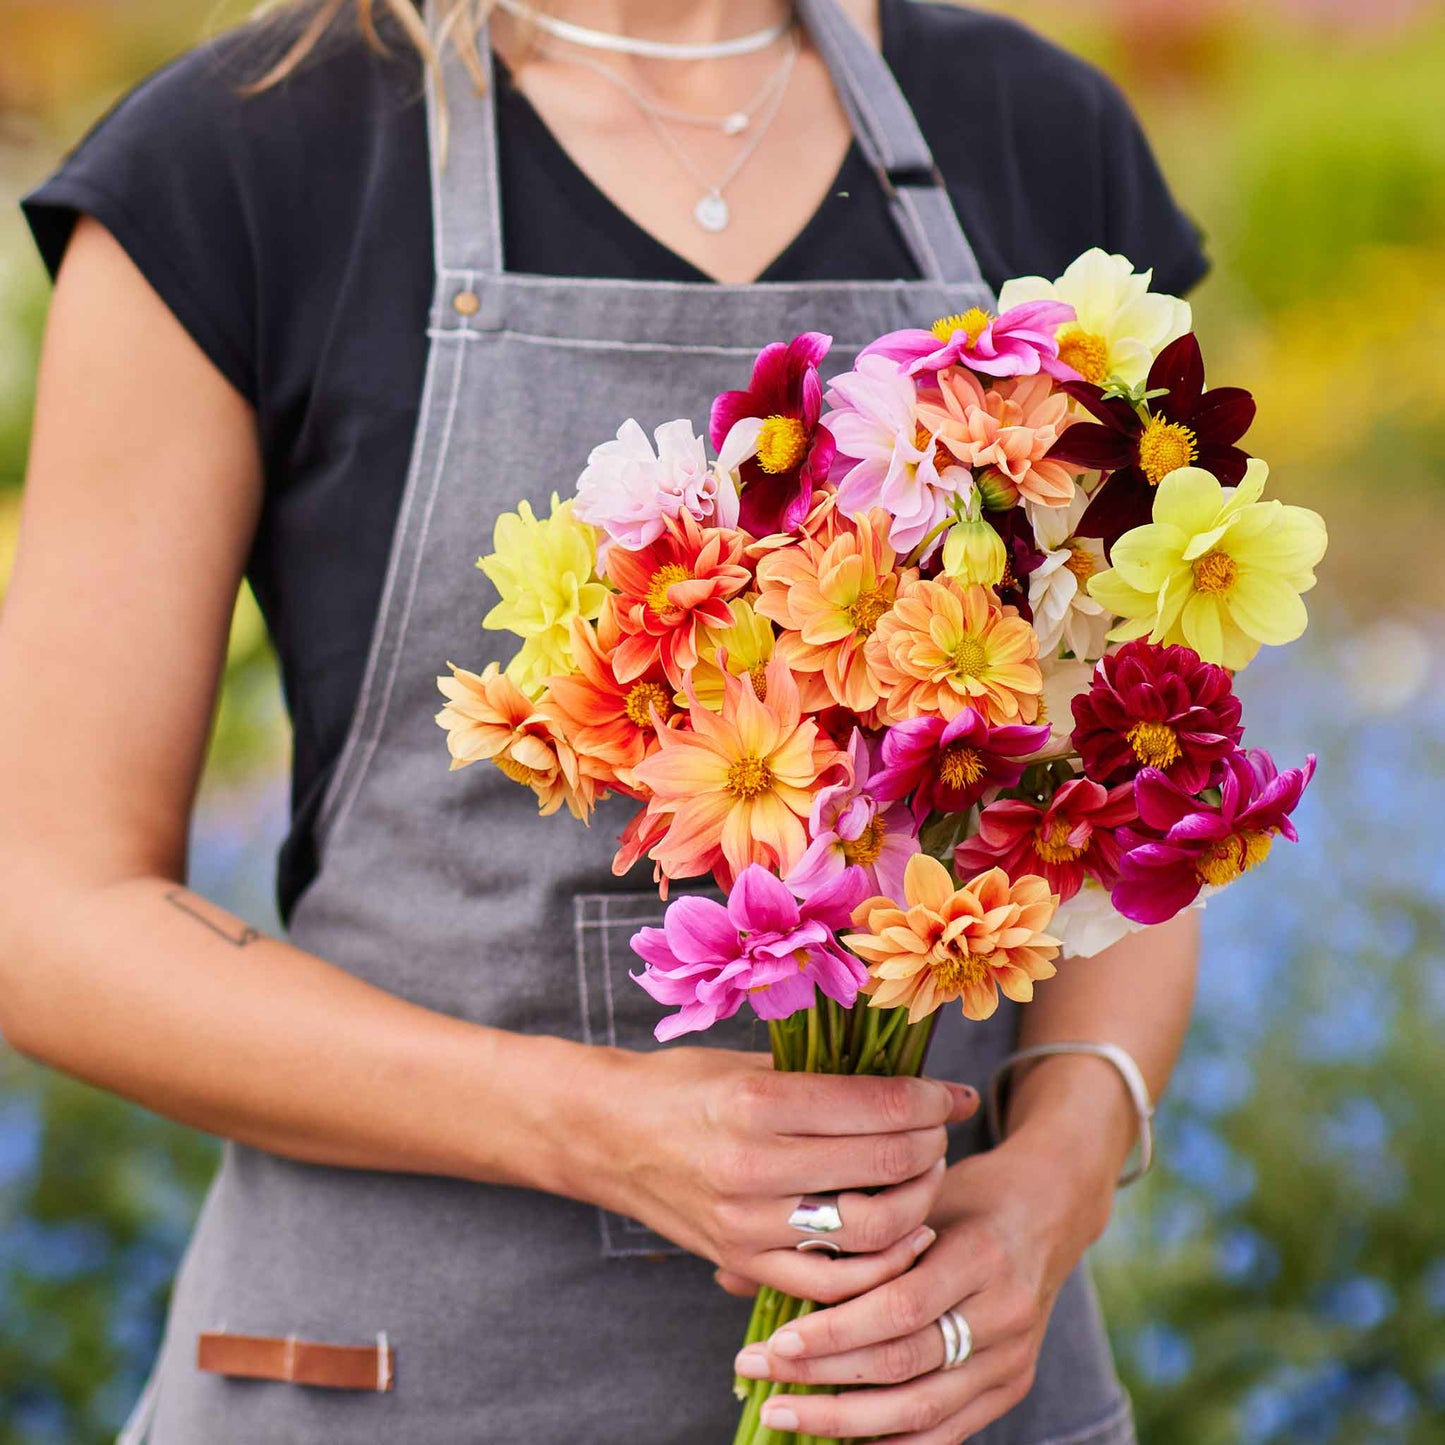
x=676 y=21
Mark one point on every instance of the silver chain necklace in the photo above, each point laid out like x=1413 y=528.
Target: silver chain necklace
x=712 y=211
x=645 y=49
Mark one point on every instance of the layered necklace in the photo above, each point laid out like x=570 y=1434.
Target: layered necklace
x=751 y=122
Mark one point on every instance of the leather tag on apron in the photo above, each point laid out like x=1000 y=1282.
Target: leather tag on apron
x=298 y=1362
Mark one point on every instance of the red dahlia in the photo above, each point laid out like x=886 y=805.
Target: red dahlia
x=1157 y=707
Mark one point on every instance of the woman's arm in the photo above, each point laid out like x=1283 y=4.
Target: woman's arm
x=141 y=503
x=1012 y=1222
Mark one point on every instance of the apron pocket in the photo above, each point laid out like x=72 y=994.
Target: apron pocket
x=618 y=1014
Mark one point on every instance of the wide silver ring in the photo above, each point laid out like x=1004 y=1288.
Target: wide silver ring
x=816 y=1214
x=957 y=1339
x=822 y=1246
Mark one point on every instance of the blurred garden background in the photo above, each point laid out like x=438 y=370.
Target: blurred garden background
x=1281 y=1276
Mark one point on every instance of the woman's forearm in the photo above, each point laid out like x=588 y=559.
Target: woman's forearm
x=154 y=993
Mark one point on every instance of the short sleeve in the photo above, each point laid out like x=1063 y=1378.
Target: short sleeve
x=158 y=174
x=1144 y=221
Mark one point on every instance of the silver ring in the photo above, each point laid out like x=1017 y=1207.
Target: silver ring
x=825 y=1246
x=957 y=1339
x=817 y=1214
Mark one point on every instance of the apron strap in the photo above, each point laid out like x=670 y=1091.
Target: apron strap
x=466 y=194
x=889 y=137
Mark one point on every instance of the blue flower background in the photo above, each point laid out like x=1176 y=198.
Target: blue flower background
x=1281 y=1275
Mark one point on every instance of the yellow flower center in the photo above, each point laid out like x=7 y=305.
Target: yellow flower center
x=518 y=772
x=972 y=323
x=1164 y=447
x=782 y=444
x=663 y=580
x=865 y=610
x=1224 y=861
x=942 y=457
x=1215 y=572
x=970 y=657
x=865 y=848
x=957 y=971
x=749 y=777
x=642 y=700
x=960 y=767
x=1081 y=561
x=758 y=676
x=1054 y=846
x=1087 y=352
x=1154 y=744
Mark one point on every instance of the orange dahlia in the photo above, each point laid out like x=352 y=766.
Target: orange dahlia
x=668 y=590
x=828 y=600
x=488 y=716
x=739 y=782
x=608 y=723
x=948 y=942
x=944 y=647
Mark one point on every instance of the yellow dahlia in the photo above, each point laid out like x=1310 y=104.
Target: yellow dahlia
x=488 y=717
x=943 y=648
x=944 y=942
x=828 y=601
x=748 y=646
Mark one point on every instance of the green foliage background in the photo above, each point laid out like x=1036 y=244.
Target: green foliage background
x=1281 y=1277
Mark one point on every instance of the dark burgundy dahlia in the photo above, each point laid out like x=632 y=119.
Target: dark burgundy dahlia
x=1157 y=707
x=1186 y=427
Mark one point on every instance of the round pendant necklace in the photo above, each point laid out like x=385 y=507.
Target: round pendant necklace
x=645 y=49
x=712 y=212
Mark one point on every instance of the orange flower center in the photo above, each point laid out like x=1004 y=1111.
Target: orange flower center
x=1165 y=447
x=518 y=772
x=1087 y=352
x=641 y=702
x=758 y=676
x=1224 y=861
x=1155 y=744
x=1081 y=561
x=973 y=323
x=1215 y=572
x=782 y=444
x=867 y=608
x=955 y=972
x=960 y=767
x=942 y=457
x=865 y=848
x=663 y=581
x=749 y=777
x=970 y=657
x=1053 y=846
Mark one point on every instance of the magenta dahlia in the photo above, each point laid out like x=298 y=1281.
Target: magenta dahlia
x=1183 y=846
x=1157 y=707
x=1068 y=839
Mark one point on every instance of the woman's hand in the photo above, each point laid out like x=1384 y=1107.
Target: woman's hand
x=714 y=1149
x=1012 y=1224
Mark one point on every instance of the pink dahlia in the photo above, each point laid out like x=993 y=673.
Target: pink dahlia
x=1070 y=838
x=771 y=434
x=1021 y=342
x=1157 y=707
x=948 y=766
x=765 y=948
x=1184 y=845
x=853 y=829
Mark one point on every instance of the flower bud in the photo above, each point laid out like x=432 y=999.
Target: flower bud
x=996 y=491
x=974 y=553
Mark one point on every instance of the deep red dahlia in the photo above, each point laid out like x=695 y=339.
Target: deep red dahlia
x=1069 y=839
x=1157 y=707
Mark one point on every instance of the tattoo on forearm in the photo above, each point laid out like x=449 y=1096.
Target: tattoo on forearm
x=236 y=933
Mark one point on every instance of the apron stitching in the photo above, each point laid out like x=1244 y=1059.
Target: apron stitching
x=805 y=290
x=592 y=343
x=607 y=983
x=910 y=204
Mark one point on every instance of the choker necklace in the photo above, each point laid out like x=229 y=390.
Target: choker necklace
x=645 y=49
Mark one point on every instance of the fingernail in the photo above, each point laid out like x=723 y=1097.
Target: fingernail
x=752 y=1363
x=788 y=1343
x=921 y=1239
x=779 y=1417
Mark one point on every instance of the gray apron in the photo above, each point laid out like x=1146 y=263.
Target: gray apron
x=516 y=1316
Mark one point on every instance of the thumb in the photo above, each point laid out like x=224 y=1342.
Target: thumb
x=966 y=1101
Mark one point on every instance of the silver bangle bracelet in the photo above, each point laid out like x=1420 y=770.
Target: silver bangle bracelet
x=1128 y=1070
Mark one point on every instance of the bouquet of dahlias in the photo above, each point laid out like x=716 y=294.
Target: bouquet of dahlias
x=929 y=670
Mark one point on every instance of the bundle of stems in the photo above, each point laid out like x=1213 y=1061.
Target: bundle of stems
x=825 y=1039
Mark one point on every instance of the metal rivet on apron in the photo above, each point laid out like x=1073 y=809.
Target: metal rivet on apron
x=467 y=303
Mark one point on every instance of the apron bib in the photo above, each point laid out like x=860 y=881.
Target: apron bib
x=516 y=1316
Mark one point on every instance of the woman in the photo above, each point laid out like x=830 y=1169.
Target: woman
x=296 y=328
